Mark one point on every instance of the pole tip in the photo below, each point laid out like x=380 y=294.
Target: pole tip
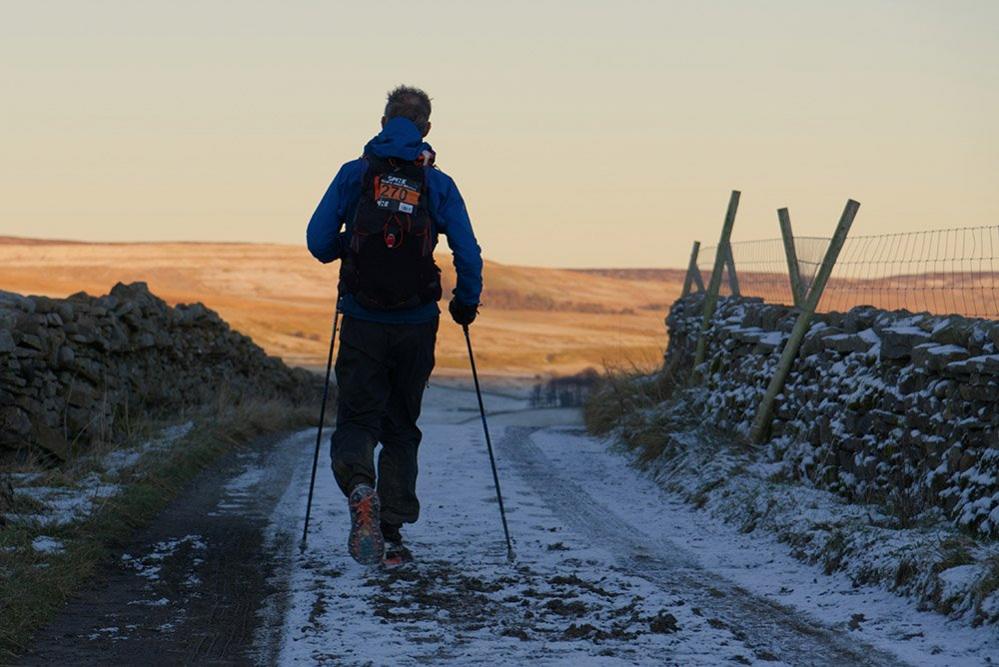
x=510 y=555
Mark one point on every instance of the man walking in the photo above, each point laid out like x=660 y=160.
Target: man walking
x=381 y=217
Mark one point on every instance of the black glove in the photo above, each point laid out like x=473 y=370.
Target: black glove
x=462 y=313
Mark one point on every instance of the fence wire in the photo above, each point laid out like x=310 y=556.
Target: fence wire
x=944 y=271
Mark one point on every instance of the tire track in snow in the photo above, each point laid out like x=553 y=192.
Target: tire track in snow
x=789 y=634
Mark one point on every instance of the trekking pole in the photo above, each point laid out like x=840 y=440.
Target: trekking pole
x=489 y=444
x=322 y=418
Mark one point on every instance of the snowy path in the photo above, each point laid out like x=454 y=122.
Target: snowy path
x=610 y=571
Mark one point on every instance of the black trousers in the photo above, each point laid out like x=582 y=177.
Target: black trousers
x=381 y=372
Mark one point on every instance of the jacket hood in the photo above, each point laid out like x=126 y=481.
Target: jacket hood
x=400 y=138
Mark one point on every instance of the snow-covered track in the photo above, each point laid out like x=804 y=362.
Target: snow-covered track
x=765 y=625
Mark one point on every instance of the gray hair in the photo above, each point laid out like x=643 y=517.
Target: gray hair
x=411 y=103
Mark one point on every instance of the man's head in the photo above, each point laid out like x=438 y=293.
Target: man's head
x=411 y=103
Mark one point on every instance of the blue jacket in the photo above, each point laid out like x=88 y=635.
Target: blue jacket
x=399 y=138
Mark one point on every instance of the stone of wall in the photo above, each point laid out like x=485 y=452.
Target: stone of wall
x=73 y=370
x=879 y=406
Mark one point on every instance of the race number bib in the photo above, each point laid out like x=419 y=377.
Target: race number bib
x=396 y=194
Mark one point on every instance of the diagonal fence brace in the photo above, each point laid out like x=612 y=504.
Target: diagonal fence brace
x=714 y=286
x=798 y=291
x=764 y=415
x=693 y=277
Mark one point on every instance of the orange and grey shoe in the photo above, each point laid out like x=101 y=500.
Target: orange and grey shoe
x=365 y=543
x=396 y=554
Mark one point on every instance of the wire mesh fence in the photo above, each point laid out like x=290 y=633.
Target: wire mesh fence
x=944 y=271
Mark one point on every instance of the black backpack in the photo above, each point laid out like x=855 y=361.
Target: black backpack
x=390 y=264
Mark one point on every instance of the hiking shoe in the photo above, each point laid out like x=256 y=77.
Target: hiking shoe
x=365 y=543
x=396 y=553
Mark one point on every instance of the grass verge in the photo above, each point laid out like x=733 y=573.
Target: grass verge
x=35 y=585
x=623 y=393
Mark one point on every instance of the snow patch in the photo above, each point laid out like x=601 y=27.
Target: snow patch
x=47 y=545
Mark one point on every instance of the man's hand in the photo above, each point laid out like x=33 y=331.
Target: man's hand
x=462 y=313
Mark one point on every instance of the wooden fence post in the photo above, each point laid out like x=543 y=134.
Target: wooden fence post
x=761 y=424
x=733 y=278
x=711 y=298
x=797 y=289
x=693 y=273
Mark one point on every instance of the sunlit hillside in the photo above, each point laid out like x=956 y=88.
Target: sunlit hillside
x=534 y=320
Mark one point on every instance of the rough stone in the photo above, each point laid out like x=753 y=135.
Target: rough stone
x=986 y=392
x=847 y=343
x=15 y=420
x=66 y=357
x=11 y=299
x=50 y=440
x=30 y=341
x=43 y=305
x=897 y=342
x=936 y=357
x=865 y=425
x=911 y=383
x=953 y=330
x=8 y=317
x=986 y=364
x=860 y=318
x=68 y=364
x=65 y=310
x=943 y=388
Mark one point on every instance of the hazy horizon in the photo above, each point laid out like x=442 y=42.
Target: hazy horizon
x=441 y=250
x=617 y=130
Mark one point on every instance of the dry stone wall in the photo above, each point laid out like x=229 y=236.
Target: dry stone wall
x=73 y=370
x=890 y=406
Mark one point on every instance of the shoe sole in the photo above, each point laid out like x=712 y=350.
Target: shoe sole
x=365 y=543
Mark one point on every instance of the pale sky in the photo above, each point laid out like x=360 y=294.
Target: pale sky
x=580 y=133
